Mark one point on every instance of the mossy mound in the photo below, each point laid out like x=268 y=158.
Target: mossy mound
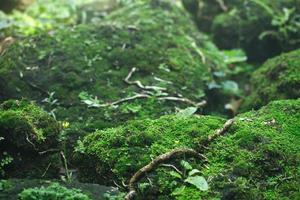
x=260 y=156
x=257 y=159
x=117 y=153
x=27 y=130
x=90 y=63
x=278 y=78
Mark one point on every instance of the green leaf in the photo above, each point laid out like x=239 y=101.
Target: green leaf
x=175 y=174
x=230 y=86
x=187 y=112
x=186 y=165
x=193 y=172
x=198 y=181
x=234 y=56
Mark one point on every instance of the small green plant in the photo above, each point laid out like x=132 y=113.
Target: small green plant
x=5 y=160
x=54 y=191
x=89 y=100
x=52 y=102
x=286 y=22
x=190 y=176
x=4 y=185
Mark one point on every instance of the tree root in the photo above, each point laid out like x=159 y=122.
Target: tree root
x=170 y=155
x=154 y=164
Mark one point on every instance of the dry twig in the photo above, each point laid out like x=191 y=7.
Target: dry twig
x=139 y=84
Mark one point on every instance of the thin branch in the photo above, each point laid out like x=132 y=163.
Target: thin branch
x=28 y=140
x=48 y=151
x=172 y=166
x=65 y=165
x=137 y=96
x=46 y=170
x=221 y=131
x=139 y=84
x=154 y=164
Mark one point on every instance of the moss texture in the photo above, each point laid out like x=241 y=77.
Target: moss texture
x=27 y=130
x=278 y=78
x=117 y=153
x=257 y=159
x=96 y=60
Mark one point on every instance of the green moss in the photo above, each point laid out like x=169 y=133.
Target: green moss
x=259 y=158
x=277 y=79
x=117 y=153
x=96 y=60
x=26 y=130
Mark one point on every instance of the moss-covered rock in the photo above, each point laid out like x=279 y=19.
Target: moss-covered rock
x=260 y=156
x=27 y=130
x=90 y=63
x=278 y=78
x=257 y=159
x=117 y=153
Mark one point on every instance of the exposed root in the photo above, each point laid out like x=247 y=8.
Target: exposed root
x=146 y=93
x=170 y=155
x=154 y=164
x=137 y=96
x=49 y=151
x=221 y=131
